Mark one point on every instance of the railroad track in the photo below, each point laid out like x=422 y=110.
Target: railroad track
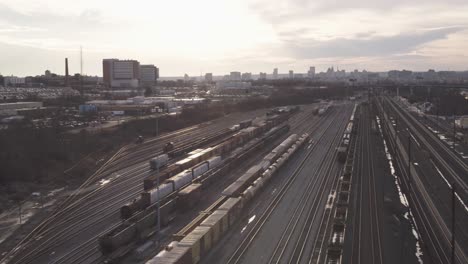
x=459 y=177
x=73 y=204
x=430 y=223
x=236 y=257
x=367 y=240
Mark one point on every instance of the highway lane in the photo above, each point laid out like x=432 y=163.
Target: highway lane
x=264 y=244
x=92 y=222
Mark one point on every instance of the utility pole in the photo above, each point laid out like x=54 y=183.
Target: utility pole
x=81 y=70
x=159 y=204
x=396 y=129
x=453 y=223
x=454 y=129
x=157 y=125
x=157 y=183
x=409 y=164
x=20 y=213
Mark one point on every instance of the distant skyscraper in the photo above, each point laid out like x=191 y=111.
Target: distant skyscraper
x=208 y=77
x=311 y=72
x=246 y=76
x=262 y=76
x=275 y=73
x=235 y=76
x=291 y=74
x=186 y=78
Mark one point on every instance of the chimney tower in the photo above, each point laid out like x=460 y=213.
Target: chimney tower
x=66 y=72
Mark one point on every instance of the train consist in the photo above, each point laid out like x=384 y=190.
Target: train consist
x=350 y=129
x=174 y=176
x=179 y=191
x=210 y=228
x=237 y=139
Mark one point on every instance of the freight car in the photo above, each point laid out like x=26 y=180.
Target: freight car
x=245 y=123
x=342 y=153
x=209 y=231
x=168 y=147
x=245 y=180
x=220 y=149
x=178 y=167
x=136 y=227
x=146 y=219
x=159 y=161
x=169 y=186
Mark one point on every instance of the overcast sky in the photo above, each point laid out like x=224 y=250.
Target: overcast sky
x=240 y=35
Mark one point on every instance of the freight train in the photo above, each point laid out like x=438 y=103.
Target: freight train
x=178 y=175
x=350 y=129
x=138 y=219
x=204 y=235
x=247 y=133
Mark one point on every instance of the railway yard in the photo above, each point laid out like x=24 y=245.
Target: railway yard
x=332 y=182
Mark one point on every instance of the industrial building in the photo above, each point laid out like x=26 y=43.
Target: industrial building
x=10 y=109
x=13 y=81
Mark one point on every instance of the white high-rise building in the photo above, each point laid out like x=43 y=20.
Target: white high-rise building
x=291 y=74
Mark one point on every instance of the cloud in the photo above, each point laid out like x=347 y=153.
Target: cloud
x=359 y=47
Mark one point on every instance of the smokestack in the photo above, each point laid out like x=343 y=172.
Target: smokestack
x=66 y=71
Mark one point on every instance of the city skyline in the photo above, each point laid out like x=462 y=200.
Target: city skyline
x=252 y=36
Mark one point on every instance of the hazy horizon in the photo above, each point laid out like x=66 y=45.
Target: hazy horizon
x=195 y=37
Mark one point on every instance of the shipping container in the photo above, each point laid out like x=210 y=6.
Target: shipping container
x=214 y=161
x=218 y=221
x=200 y=242
x=234 y=208
x=159 y=161
x=188 y=196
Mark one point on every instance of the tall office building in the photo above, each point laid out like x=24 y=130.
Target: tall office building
x=262 y=76
x=121 y=73
x=149 y=74
x=291 y=74
x=311 y=72
x=235 y=76
x=275 y=73
x=246 y=76
x=208 y=77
